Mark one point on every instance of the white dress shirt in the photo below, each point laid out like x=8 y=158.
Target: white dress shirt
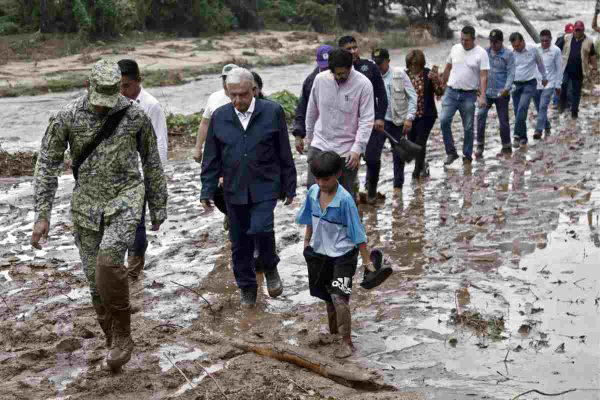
x=244 y=117
x=157 y=116
x=526 y=62
x=215 y=100
x=552 y=57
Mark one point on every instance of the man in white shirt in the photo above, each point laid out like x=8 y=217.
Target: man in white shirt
x=131 y=87
x=465 y=74
x=552 y=56
x=527 y=60
x=215 y=100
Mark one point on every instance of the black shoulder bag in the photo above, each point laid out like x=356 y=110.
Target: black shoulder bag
x=109 y=127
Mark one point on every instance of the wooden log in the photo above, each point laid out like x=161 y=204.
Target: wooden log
x=347 y=375
x=523 y=19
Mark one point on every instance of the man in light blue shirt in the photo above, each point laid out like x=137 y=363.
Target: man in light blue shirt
x=500 y=80
x=552 y=57
x=527 y=58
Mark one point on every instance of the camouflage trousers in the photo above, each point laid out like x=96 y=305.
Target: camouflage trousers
x=113 y=240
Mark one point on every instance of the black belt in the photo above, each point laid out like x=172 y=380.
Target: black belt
x=463 y=90
x=525 y=82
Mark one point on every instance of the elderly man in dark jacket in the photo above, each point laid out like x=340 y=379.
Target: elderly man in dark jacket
x=248 y=144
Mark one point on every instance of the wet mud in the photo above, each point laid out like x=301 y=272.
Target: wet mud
x=495 y=290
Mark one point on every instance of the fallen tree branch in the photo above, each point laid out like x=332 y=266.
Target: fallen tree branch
x=198 y=293
x=346 y=374
x=181 y=372
x=542 y=393
x=213 y=378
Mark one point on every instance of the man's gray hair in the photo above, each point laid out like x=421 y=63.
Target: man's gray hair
x=239 y=75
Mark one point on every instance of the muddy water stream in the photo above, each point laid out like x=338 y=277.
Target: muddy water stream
x=514 y=239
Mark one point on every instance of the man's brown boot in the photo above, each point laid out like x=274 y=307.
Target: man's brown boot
x=105 y=321
x=113 y=286
x=135 y=265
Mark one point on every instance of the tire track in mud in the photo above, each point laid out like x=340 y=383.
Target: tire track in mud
x=474 y=228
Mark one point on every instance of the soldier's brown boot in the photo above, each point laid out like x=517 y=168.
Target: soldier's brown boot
x=135 y=265
x=105 y=321
x=113 y=286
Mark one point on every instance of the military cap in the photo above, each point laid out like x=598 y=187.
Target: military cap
x=105 y=83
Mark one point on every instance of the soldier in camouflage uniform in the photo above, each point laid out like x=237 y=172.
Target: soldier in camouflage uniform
x=108 y=196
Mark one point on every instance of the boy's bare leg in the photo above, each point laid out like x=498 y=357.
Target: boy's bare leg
x=344 y=323
x=331 y=318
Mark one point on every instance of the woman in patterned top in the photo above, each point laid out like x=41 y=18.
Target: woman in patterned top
x=427 y=84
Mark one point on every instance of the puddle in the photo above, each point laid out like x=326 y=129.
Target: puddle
x=177 y=353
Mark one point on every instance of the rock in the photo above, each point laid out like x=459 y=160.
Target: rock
x=85 y=333
x=560 y=349
x=68 y=345
x=21 y=269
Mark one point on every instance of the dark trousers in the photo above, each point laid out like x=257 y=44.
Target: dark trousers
x=249 y=224
x=502 y=110
x=419 y=134
x=373 y=158
x=576 y=85
x=140 y=244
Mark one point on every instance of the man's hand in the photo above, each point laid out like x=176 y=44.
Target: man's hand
x=300 y=145
x=155 y=227
x=406 y=127
x=482 y=102
x=379 y=125
x=221 y=182
x=40 y=231
x=288 y=201
x=353 y=160
x=198 y=155
x=544 y=82
x=370 y=267
x=505 y=93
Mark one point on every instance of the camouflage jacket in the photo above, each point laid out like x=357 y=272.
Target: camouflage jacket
x=110 y=183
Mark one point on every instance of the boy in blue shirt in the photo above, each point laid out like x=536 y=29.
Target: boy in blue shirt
x=334 y=236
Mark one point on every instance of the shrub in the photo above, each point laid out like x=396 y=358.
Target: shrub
x=288 y=101
x=8 y=28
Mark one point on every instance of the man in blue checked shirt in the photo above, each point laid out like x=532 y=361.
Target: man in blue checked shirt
x=527 y=59
x=500 y=80
x=552 y=57
x=334 y=236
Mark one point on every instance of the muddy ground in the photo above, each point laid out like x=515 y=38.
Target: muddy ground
x=508 y=247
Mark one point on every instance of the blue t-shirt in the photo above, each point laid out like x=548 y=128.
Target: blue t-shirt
x=337 y=230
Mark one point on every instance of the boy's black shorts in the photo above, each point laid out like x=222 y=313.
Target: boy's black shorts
x=330 y=275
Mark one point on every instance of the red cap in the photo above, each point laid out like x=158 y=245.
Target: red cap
x=579 y=25
x=569 y=28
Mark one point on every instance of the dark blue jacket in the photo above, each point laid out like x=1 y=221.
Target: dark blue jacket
x=371 y=70
x=299 y=128
x=257 y=163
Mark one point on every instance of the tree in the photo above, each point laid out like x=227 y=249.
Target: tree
x=353 y=15
x=433 y=12
x=45 y=23
x=246 y=13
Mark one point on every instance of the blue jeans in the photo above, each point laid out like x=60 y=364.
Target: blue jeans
x=542 y=100
x=373 y=158
x=464 y=103
x=521 y=97
x=502 y=110
x=251 y=225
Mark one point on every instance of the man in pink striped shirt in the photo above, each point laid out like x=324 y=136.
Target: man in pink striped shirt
x=340 y=116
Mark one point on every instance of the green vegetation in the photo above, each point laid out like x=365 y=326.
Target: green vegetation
x=187 y=125
x=491 y=327
x=288 y=101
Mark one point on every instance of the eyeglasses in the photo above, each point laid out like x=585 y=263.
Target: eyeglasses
x=578 y=30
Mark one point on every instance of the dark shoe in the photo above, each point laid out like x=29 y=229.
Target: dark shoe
x=451 y=158
x=274 y=284
x=135 y=265
x=548 y=132
x=372 y=279
x=248 y=297
x=467 y=160
x=516 y=143
x=523 y=142
x=506 y=151
x=105 y=322
x=120 y=352
x=537 y=135
x=574 y=115
x=479 y=151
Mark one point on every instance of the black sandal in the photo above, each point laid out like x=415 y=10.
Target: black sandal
x=372 y=279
